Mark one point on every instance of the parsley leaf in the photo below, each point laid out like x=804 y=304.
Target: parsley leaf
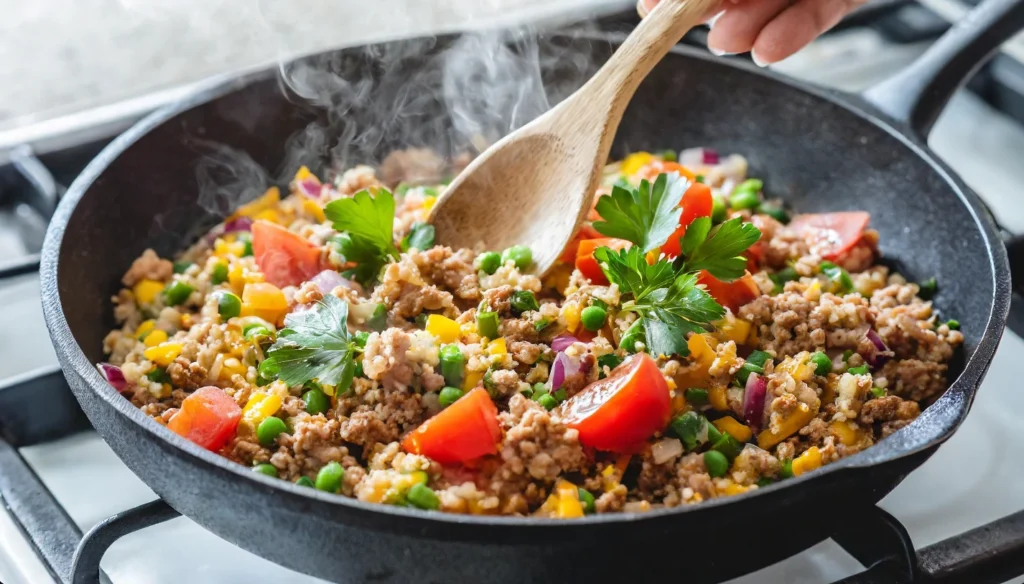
x=367 y=226
x=314 y=345
x=718 y=250
x=647 y=215
x=628 y=269
x=421 y=236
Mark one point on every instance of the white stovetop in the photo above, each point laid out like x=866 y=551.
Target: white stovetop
x=973 y=479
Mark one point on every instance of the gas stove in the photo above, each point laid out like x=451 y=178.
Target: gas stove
x=58 y=480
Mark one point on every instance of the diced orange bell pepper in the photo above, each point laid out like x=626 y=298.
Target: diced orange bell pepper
x=731 y=295
x=737 y=430
x=808 y=461
x=789 y=426
x=702 y=355
x=588 y=265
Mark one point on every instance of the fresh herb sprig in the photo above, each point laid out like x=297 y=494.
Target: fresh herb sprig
x=366 y=226
x=664 y=293
x=314 y=345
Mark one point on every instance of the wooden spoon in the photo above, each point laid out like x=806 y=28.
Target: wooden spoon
x=535 y=186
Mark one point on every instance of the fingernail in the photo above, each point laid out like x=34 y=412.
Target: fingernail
x=719 y=52
x=641 y=9
x=757 y=61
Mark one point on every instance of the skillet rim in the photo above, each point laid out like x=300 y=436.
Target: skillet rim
x=956 y=399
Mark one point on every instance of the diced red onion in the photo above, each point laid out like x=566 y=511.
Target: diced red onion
x=563 y=342
x=328 y=280
x=310 y=188
x=877 y=354
x=233 y=226
x=753 y=400
x=710 y=156
x=693 y=157
x=665 y=450
x=563 y=367
x=114 y=376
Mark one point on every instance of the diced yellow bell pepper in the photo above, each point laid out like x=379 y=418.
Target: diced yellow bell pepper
x=471 y=380
x=813 y=292
x=739 y=431
x=468 y=328
x=304 y=174
x=497 y=348
x=569 y=506
x=236 y=277
x=264 y=300
x=419 y=477
x=260 y=407
x=144 y=329
x=268 y=200
x=789 y=426
x=571 y=313
x=428 y=203
x=634 y=162
x=558 y=277
x=799 y=367
x=732 y=329
x=847 y=432
x=232 y=366
x=155 y=337
x=268 y=215
x=163 y=355
x=808 y=461
x=734 y=489
x=311 y=207
x=678 y=402
x=445 y=329
x=718 y=398
x=146 y=291
x=227 y=249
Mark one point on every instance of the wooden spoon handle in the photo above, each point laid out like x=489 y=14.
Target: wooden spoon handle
x=617 y=81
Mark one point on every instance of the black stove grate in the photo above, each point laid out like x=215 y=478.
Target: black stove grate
x=38 y=407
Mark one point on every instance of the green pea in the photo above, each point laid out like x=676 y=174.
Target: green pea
x=269 y=429
x=360 y=339
x=740 y=200
x=519 y=254
x=539 y=389
x=697 y=397
x=182 y=267
x=487 y=324
x=329 y=478
x=255 y=330
x=786 y=470
x=774 y=211
x=719 y=211
x=177 y=292
x=524 y=300
x=928 y=289
x=587 y=500
x=379 y=320
x=449 y=395
x=668 y=155
x=561 y=395
x=452 y=364
x=846 y=355
x=267 y=469
x=953 y=324
x=547 y=401
x=716 y=463
x=228 y=305
x=822 y=364
x=699 y=178
x=304 y=482
x=878 y=392
x=317 y=401
x=764 y=481
x=593 y=318
x=219 y=274
x=247 y=240
x=423 y=497
x=861 y=370
x=488 y=261
x=751 y=184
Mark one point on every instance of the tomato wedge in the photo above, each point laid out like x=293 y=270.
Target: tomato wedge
x=696 y=202
x=831 y=234
x=588 y=265
x=285 y=258
x=586 y=232
x=208 y=417
x=731 y=295
x=622 y=411
x=463 y=431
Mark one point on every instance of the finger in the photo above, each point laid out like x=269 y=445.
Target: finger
x=738 y=27
x=797 y=26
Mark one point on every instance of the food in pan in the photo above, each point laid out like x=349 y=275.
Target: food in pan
x=694 y=342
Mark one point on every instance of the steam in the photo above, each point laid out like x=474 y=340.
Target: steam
x=451 y=95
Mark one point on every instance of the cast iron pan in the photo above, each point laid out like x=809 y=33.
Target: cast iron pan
x=818 y=149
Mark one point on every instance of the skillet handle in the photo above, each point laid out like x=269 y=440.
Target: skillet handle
x=917 y=95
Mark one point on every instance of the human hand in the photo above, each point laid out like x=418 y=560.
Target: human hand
x=770 y=29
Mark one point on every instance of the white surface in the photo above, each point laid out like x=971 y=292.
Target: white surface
x=973 y=479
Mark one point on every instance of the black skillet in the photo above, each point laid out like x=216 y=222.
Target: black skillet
x=820 y=150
